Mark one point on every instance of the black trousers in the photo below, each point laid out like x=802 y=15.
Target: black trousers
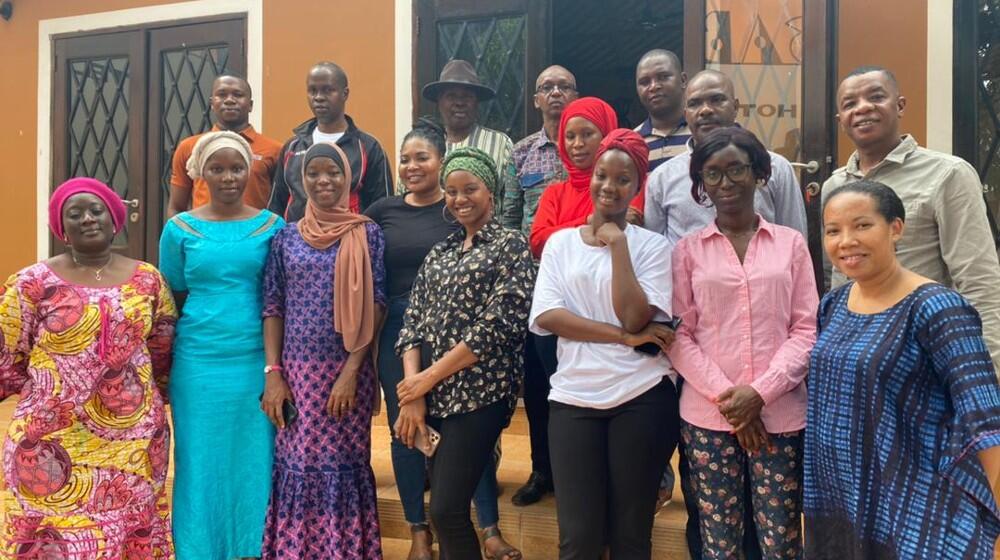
x=539 y=365
x=466 y=448
x=607 y=466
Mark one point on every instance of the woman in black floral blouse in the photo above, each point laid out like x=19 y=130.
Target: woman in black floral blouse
x=468 y=316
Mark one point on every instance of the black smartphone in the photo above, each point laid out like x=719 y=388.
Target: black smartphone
x=652 y=349
x=288 y=411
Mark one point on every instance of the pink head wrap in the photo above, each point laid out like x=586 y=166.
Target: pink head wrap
x=79 y=185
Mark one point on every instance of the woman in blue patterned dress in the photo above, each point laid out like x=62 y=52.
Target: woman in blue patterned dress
x=903 y=424
x=213 y=258
x=324 y=292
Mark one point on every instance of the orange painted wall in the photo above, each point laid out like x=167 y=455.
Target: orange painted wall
x=297 y=33
x=893 y=34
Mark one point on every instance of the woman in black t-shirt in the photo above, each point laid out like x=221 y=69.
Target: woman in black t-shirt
x=411 y=223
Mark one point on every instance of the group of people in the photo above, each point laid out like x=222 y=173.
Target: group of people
x=647 y=291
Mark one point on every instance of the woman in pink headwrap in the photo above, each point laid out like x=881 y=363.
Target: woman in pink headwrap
x=86 y=344
x=583 y=125
x=601 y=288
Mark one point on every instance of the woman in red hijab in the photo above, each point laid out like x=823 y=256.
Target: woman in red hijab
x=583 y=125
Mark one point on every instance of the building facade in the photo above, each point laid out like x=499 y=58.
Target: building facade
x=107 y=89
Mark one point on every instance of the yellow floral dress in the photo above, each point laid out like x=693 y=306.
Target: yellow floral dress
x=85 y=457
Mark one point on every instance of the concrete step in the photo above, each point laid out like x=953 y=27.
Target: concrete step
x=533 y=529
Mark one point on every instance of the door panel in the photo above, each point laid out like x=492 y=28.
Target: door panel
x=98 y=116
x=184 y=61
x=776 y=52
x=506 y=42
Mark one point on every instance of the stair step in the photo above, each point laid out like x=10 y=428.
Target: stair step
x=533 y=529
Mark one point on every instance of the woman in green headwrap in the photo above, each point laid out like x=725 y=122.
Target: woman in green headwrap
x=462 y=345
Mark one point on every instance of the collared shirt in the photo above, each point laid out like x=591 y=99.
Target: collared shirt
x=479 y=296
x=265 y=161
x=750 y=323
x=947 y=236
x=536 y=165
x=671 y=210
x=664 y=144
x=499 y=146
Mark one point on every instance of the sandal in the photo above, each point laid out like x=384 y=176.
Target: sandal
x=506 y=551
x=416 y=529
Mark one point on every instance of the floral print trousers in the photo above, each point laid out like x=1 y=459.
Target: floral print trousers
x=718 y=468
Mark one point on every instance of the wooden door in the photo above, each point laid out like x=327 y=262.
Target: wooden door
x=506 y=40
x=183 y=61
x=122 y=100
x=98 y=111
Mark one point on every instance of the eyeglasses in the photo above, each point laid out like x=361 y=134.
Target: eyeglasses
x=713 y=177
x=548 y=88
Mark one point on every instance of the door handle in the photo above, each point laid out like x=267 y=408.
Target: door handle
x=134 y=215
x=810 y=167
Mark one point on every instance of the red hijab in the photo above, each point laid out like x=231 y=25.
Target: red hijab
x=604 y=118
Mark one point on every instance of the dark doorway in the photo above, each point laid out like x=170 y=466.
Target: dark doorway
x=601 y=42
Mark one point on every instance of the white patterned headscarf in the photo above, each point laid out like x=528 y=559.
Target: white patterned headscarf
x=212 y=142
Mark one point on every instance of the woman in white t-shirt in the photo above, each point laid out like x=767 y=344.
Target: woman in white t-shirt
x=613 y=419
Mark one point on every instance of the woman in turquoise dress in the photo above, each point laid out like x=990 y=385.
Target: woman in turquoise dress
x=213 y=258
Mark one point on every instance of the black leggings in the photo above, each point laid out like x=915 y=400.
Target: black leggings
x=607 y=466
x=466 y=448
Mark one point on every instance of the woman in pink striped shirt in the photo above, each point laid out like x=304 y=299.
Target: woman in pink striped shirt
x=747 y=296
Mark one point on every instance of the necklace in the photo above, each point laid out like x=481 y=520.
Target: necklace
x=97 y=271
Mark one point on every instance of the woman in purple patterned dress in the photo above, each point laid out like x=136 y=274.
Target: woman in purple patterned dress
x=324 y=290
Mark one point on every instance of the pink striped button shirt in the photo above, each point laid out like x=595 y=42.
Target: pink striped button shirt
x=744 y=324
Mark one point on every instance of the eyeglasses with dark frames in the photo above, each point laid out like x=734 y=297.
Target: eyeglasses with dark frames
x=713 y=177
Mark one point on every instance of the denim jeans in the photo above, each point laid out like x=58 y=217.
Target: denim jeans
x=409 y=465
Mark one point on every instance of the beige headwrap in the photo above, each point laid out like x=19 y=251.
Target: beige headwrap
x=212 y=142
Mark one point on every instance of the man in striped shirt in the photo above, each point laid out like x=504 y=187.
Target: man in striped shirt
x=660 y=83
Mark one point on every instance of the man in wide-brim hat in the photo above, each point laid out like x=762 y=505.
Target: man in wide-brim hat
x=457 y=94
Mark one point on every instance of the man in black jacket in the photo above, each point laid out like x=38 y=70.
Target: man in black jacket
x=327 y=91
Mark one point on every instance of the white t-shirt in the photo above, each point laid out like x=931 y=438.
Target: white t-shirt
x=577 y=277
x=328 y=137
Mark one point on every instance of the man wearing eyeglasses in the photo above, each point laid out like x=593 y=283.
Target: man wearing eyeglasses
x=536 y=165
x=710 y=103
x=660 y=83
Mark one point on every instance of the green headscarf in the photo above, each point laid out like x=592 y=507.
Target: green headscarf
x=473 y=160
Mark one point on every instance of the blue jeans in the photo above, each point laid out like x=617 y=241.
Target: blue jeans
x=409 y=465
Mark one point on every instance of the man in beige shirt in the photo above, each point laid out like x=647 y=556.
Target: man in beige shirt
x=947 y=236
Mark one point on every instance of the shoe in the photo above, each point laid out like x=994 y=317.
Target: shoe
x=535 y=489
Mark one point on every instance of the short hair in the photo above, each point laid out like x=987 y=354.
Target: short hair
x=431 y=132
x=332 y=67
x=235 y=77
x=674 y=59
x=864 y=69
x=718 y=140
x=887 y=202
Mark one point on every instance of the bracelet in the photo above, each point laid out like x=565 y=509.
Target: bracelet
x=274 y=367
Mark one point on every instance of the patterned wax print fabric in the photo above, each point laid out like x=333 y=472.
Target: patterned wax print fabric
x=900 y=403
x=86 y=453
x=323 y=502
x=222 y=456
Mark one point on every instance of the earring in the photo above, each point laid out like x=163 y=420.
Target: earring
x=444 y=216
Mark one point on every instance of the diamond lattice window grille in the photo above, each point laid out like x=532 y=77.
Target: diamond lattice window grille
x=187 y=75
x=98 y=123
x=988 y=85
x=496 y=47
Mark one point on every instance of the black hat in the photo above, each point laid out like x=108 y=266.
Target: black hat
x=458 y=73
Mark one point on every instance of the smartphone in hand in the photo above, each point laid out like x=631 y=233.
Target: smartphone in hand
x=653 y=349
